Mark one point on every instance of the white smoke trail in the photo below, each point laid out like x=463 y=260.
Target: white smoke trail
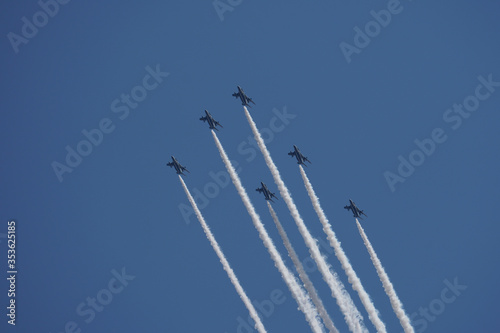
x=253 y=313
x=397 y=306
x=298 y=293
x=302 y=273
x=351 y=314
x=339 y=252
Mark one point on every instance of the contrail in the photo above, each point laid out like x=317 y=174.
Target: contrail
x=302 y=273
x=253 y=313
x=351 y=314
x=373 y=314
x=397 y=306
x=298 y=293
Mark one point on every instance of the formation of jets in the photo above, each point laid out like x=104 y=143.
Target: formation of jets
x=268 y=195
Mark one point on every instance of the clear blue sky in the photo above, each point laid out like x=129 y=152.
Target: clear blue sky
x=119 y=207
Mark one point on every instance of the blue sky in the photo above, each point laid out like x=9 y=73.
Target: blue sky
x=118 y=212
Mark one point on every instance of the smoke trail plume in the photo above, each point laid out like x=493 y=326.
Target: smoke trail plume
x=339 y=252
x=351 y=314
x=302 y=273
x=298 y=293
x=234 y=280
x=397 y=306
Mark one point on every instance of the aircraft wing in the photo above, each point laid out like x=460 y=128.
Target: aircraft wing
x=204 y=118
x=260 y=190
x=292 y=153
x=236 y=95
x=185 y=169
x=217 y=123
x=250 y=100
x=170 y=164
x=347 y=207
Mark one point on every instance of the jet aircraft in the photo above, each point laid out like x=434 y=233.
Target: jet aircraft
x=212 y=123
x=301 y=159
x=178 y=167
x=245 y=100
x=267 y=194
x=355 y=210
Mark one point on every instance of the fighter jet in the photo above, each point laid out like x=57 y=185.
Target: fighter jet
x=245 y=100
x=178 y=167
x=212 y=123
x=267 y=194
x=301 y=159
x=355 y=210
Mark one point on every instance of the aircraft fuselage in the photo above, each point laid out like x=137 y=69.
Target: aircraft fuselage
x=179 y=169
